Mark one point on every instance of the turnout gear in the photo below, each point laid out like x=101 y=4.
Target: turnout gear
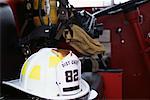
x=82 y=42
x=53 y=12
x=47 y=31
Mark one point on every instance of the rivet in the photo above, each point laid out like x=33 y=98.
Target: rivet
x=148 y=35
x=119 y=30
x=122 y=41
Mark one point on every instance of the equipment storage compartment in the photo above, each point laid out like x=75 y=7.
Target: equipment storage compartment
x=112 y=79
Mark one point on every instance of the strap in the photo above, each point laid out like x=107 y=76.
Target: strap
x=40 y=12
x=23 y=27
x=28 y=15
x=62 y=27
x=95 y=64
x=29 y=8
x=36 y=13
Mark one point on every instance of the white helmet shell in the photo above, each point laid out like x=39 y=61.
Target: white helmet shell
x=52 y=74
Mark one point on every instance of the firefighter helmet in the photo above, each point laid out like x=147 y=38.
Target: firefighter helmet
x=52 y=74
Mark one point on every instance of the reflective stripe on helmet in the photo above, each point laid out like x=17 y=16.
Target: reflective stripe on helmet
x=35 y=73
x=53 y=61
x=24 y=68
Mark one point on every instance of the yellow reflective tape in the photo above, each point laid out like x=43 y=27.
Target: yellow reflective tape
x=24 y=67
x=35 y=73
x=35 y=4
x=53 y=61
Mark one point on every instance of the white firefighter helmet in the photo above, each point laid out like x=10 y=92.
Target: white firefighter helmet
x=52 y=74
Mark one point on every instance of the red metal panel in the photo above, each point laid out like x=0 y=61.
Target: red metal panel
x=129 y=55
x=112 y=85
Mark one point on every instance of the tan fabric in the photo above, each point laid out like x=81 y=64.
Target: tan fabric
x=82 y=42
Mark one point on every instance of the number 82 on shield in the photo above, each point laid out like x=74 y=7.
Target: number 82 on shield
x=71 y=75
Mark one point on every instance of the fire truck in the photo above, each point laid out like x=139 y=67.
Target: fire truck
x=119 y=71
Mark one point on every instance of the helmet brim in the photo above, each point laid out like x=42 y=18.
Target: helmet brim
x=84 y=90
